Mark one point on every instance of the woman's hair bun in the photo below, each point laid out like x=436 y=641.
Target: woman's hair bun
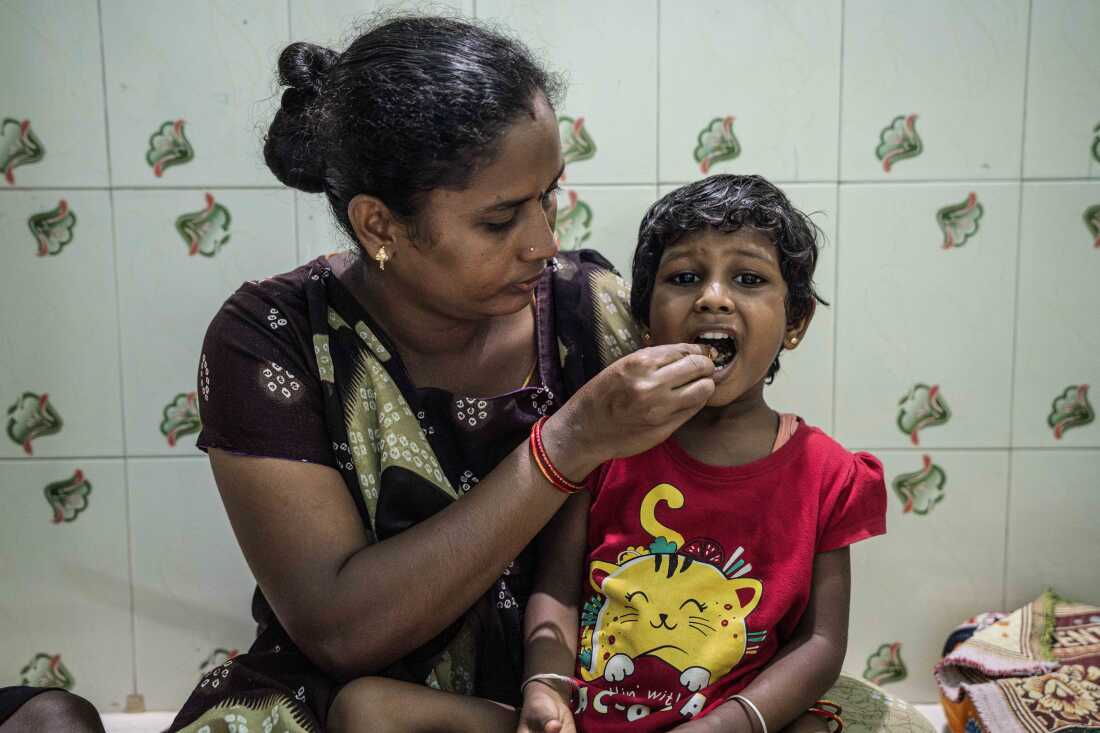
x=288 y=149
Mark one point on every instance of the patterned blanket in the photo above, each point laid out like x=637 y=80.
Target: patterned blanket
x=1034 y=670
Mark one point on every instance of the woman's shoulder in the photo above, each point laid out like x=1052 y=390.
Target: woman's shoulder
x=273 y=299
x=590 y=285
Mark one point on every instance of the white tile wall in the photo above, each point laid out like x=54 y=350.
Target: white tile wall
x=774 y=67
x=61 y=93
x=192 y=588
x=804 y=384
x=1006 y=95
x=1057 y=339
x=1053 y=536
x=609 y=51
x=168 y=296
x=65 y=587
x=207 y=63
x=332 y=23
x=929 y=573
x=959 y=66
x=60 y=336
x=1063 y=91
x=910 y=311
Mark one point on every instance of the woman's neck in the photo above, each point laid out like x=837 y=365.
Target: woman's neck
x=414 y=326
x=731 y=435
x=476 y=357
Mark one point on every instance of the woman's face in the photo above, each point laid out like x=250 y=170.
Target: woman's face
x=485 y=246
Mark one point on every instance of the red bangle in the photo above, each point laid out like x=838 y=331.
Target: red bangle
x=830 y=711
x=546 y=466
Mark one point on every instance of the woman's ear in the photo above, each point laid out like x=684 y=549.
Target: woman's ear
x=375 y=226
x=797 y=329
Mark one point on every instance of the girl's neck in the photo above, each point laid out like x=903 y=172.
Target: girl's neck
x=731 y=435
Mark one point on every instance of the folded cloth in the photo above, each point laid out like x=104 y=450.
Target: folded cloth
x=1034 y=670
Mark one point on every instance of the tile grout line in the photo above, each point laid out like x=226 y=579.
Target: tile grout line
x=1016 y=317
x=836 y=204
x=121 y=360
x=657 y=142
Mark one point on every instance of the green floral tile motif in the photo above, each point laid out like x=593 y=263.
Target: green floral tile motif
x=168 y=146
x=921 y=490
x=32 y=417
x=1071 y=409
x=207 y=230
x=181 y=417
x=576 y=143
x=68 y=497
x=53 y=229
x=959 y=222
x=18 y=146
x=921 y=407
x=1092 y=223
x=716 y=143
x=899 y=141
x=574 y=222
x=47 y=670
x=885 y=665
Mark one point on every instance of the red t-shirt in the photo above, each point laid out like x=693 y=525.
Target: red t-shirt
x=696 y=575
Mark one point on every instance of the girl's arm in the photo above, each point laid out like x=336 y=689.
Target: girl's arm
x=550 y=624
x=806 y=666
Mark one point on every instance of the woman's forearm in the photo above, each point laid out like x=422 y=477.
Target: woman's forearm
x=389 y=598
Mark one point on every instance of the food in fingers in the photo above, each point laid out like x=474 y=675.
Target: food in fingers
x=685 y=370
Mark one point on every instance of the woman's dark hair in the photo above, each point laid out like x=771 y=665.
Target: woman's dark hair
x=414 y=103
x=727 y=203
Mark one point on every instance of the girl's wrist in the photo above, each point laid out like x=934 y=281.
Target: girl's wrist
x=734 y=717
x=548 y=687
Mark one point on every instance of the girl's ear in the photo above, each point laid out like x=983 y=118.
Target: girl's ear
x=797 y=329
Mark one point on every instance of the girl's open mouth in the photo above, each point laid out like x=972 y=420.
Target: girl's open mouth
x=723 y=344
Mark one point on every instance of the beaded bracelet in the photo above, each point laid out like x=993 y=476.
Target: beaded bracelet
x=546 y=466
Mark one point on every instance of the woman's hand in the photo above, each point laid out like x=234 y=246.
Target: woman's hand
x=629 y=407
x=545 y=711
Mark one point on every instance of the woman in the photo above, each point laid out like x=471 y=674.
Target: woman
x=348 y=405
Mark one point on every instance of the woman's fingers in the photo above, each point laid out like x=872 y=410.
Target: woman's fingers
x=684 y=370
x=654 y=358
x=693 y=395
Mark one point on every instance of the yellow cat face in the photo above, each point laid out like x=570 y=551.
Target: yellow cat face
x=673 y=607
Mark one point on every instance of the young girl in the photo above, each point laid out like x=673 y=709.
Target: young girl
x=716 y=575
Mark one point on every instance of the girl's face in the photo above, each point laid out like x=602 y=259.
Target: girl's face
x=489 y=242
x=725 y=290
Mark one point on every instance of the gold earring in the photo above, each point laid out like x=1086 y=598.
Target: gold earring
x=794 y=341
x=646 y=337
x=381 y=257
